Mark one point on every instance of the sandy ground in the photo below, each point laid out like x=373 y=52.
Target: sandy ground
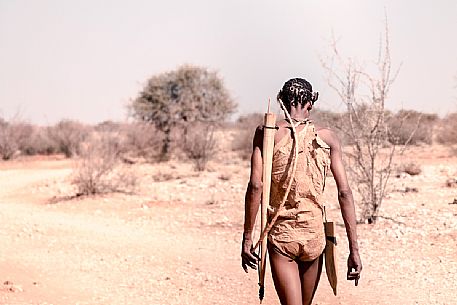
x=177 y=240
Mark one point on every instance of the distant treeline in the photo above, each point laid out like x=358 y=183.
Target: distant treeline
x=404 y=127
x=18 y=137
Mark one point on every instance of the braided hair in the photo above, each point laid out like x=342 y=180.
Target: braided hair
x=297 y=91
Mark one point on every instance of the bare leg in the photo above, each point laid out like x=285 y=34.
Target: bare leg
x=310 y=273
x=286 y=277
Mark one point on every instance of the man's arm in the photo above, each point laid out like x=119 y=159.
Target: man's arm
x=252 y=201
x=346 y=202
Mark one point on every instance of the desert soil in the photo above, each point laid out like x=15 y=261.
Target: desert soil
x=177 y=239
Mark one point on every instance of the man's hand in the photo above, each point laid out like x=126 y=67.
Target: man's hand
x=248 y=257
x=354 y=267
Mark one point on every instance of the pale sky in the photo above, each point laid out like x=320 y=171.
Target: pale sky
x=87 y=59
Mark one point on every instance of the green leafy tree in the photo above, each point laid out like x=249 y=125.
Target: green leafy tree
x=182 y=96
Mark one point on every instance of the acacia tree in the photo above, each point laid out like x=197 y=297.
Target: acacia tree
x=182 y=96
x=365 y=123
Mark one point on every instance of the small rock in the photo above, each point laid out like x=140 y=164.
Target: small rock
x=412 y=169
x=451 y=182
x=411 y=189
x=11 y=287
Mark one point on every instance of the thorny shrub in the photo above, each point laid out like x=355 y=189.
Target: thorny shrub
x=100 y=168
x=411 y=127
x=13 y=135
x=199 y=144
x=142 y=140
x=68 y=136
x=447 y=130
x=38 y=142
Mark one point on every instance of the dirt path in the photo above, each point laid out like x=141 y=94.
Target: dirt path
x=177 y=241
x=116 y=250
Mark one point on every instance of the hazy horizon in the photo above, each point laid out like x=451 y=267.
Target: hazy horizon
x=86 y=60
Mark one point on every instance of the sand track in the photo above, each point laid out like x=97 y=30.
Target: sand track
x=177 y=241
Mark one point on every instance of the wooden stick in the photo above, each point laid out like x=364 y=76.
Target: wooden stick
x=267 y=157
x=265 y=230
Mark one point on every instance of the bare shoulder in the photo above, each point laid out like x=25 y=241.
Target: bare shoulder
x=328 y=136
x=259 y=129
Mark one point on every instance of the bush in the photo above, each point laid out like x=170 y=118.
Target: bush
x=244 y=133
x=68 y=136
x=333 y=120
x=8 y=144
x=142 y=140
x=199 y=144
x=411 y=127
x=37 y=142
x=326 y=118
x=13 y=135
x=100 y=169
x=447 y=130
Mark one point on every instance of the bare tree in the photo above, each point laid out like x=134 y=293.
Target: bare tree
x=365 y=123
